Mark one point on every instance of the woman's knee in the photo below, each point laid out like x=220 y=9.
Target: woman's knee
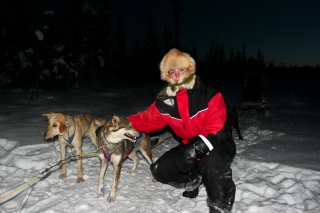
x=227 y=151
x=154 y=168
x=164 y=170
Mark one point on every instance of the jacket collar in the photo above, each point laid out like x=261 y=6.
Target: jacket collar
x=187 y=83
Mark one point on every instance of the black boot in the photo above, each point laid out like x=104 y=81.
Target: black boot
x=218 y=207
x=192 y=187
x=191 y=194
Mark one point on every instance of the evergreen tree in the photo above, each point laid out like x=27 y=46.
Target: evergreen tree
x=260 y=58
x=135 y=64
x=107 y=68
x=194 y=51
x=176 y=23
x=121 y=52
x=243 y=53
x=167 y=39
x=151 y=51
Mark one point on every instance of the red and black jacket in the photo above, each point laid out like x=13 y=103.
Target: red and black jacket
x=193 y=112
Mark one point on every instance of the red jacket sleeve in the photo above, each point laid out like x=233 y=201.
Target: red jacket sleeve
x=216 y=115
x=149 y=120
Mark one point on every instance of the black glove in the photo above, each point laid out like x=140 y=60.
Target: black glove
x=186 y=159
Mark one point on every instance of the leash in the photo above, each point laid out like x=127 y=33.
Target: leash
x=89 y=154
x=14 y=192
x=27 y=184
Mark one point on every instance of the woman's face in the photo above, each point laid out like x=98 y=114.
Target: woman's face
x=176 y=73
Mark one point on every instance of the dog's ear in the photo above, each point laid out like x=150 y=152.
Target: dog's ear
x=66 y=122
x=109 y=123
x=114 y=123
x=49 y=115
x=115 y=120
x=62 y=127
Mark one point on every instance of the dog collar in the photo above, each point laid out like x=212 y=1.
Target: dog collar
x=70 y=139
x=138 y=140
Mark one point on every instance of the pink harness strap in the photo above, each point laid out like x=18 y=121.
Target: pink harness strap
x=108 y=155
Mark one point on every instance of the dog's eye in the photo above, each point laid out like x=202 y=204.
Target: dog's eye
x=54 y=125
x=115 y=129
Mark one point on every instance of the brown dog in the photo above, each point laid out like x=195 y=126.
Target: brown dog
x=70 y=131
x=119 y=140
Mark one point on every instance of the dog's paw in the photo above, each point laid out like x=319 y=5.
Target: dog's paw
x=154 y=180
x=131 y=171
x=110 y=199
x=80 y=180
x=62 y=176
x=100 y=193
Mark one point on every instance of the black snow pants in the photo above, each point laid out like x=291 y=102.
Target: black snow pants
x=214 y=169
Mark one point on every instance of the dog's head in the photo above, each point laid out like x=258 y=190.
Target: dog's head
x=116 y=130
x=57 y=124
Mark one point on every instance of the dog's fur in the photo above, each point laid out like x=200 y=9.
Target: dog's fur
x=232 y=119
x=70 y=131
x=119 y=139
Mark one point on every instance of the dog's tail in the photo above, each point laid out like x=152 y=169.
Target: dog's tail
x=157 y=141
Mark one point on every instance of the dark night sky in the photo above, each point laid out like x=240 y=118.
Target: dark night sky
x=287 y=31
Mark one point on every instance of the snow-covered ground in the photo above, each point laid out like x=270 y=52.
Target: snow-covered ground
x=276 y=169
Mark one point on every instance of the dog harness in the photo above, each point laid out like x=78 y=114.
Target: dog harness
x=108 y=155
x=70 y=139
x=105 y=154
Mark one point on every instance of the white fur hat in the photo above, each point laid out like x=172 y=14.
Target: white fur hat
x=175 y=58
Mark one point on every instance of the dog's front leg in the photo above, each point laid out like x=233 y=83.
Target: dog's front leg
x=63 y=173
x=80 y=178
x=146 y=152
x=117 y=164
x=103 y=168
x=133 y=156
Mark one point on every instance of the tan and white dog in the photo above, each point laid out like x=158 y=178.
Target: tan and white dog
x=71 y=131
x=119 y=140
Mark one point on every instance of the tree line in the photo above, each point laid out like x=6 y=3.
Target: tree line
x=79 y=46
